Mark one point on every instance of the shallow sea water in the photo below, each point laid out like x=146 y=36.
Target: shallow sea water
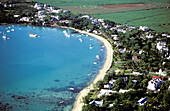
x=37 y=73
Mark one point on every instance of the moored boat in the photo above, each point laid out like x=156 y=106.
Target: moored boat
x=4 y=37
x=33 y=35
x=94 y=62
x=98 y=57
x=72 y=89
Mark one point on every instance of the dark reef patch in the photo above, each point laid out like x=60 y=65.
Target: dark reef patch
x=57 y=80
x=72 y=83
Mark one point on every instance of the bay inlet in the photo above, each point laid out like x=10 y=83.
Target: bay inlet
x=37 y=73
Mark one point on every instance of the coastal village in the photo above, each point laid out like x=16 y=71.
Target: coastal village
x=139 y=77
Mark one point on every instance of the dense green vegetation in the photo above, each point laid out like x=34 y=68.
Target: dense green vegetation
x=125 y=101
x=21 y=8
x=129 y=100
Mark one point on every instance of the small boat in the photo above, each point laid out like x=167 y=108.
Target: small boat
x=61 y=102
x=89 y=74
x=64 y=31
x=8 y=30
x=91 y=39
x=98 y=57
x=12 y=29
x=33 y=35
x=72 y=89
x=68 y=35
x=91 y=47
x=94 y=62
x=101 y=49
x=4 y=36
x=80 y=40
x=19 y=28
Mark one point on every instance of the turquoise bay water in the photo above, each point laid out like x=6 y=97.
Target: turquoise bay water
x=37 y=73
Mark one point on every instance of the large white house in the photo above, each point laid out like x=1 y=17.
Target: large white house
x=160 y=45
x=143 y=28
x=105 y=92
x=154 y=83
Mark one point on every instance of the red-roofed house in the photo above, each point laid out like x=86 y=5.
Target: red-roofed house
x=157 y=77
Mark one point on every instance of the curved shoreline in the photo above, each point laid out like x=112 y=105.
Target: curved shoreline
x=78 y=104
x=109 y=56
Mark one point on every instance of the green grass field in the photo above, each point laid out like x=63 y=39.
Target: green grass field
x=94 y=3
x=156 y=18
x=87 y=3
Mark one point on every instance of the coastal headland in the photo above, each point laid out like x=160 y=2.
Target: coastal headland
x=78 y=103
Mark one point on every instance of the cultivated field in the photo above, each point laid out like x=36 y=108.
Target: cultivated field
x=157 y=19
x=151 y=13
x=132 y=5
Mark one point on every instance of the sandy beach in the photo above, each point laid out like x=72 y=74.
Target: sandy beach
x=78 y=104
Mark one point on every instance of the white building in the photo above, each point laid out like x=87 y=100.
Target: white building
x=16 y=16
x=137 y=73
x=52 y=8
x=26 y=19
x=56 y=11
x=37 y=6
x=115 y=37
x=66 y=11
x=142 y=101
x=97 y=103
x=112 y=81
x=143 y=28
x=149 y=36
x=101 y=20
x=105 y=92
x=140 y=52
x=41 y=12
x=122 y=50
x=160 y=45
x=94 y=31
x=154 y=83
x=86 y=16
x=123 y=91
